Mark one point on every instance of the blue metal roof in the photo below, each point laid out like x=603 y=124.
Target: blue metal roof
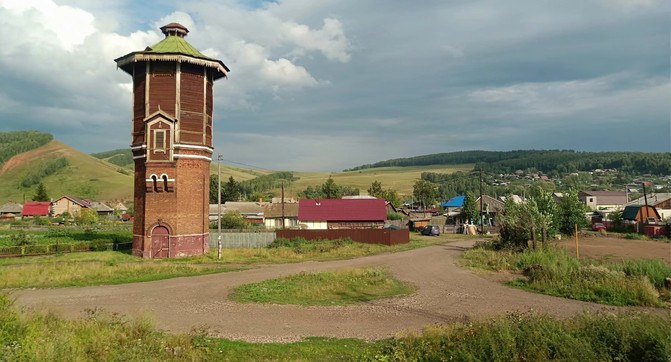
x=457 y=201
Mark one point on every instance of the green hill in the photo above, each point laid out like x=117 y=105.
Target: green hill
x=14 y=143
x=561 y=161
x=122 y=157
x=71 y=173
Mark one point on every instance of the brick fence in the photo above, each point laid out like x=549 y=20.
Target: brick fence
x=368 y=236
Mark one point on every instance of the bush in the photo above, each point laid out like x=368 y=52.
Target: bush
x=101 y=244
x=21 y=238
x=394 y=216
x=635 y=236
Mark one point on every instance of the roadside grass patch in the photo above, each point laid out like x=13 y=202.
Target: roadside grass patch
x=298 y=250
x=533 y=337
x=100 y=335
x=78 y=273
x=114 y=267
x=551 y=270
x=339 y=287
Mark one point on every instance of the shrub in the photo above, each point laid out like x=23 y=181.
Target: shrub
x=21 y=238
x=635 y=236
x=101 y=244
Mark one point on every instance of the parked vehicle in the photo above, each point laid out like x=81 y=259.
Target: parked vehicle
x=431 y=230
x=598 y=226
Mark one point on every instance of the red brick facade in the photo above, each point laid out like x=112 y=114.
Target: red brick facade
x=172 y=148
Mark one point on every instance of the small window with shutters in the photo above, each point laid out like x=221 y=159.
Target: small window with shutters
x=159 y=140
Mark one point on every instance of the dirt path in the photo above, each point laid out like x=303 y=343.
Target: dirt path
x=618 y=248
x=446 y=293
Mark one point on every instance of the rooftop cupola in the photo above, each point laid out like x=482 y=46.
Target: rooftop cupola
x=174 y=29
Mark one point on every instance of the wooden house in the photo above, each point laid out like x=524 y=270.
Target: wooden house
x=640 y=213
x=273 y=215
x=11 y=210
x=70 y=204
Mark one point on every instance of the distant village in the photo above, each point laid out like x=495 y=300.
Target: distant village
x=366 y=212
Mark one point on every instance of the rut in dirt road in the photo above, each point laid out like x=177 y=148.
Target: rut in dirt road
x=446 y=293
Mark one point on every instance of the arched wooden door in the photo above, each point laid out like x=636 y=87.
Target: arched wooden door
x=160 y=240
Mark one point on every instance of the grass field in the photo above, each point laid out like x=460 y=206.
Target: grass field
x=113 y=267
x=550 y=270
x=339 y=287
x=400 y=179
x=43 y=336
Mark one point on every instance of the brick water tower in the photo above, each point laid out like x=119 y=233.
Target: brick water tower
x=172 y=145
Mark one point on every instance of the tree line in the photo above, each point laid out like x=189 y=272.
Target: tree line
x=547 y=161
x=14 y=143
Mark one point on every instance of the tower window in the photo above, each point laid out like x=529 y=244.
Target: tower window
x=159 y=140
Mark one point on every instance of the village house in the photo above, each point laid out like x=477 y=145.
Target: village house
x=70 y=204
x=661 y=202
x=11 y=210
x=73 y=206
x=252 y=212
x=36 y=208
x=603 y=200
x=342 y=213
x=491 y=207
x=273 y=215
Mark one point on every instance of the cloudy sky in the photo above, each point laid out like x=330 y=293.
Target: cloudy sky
x=326 y=85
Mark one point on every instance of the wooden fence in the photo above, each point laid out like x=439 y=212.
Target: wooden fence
x=369 y=236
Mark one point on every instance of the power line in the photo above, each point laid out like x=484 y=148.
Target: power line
x=245 y=164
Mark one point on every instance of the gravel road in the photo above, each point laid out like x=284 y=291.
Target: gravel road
x=446 y=292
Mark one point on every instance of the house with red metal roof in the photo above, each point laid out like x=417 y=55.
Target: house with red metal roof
x=342 y=213
x=36 y=208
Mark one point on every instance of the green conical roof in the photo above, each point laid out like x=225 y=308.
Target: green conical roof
x=172 y=48
x=176 y=44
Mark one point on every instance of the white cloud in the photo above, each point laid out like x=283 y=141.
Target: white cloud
x=283 y=72
x=71 y=26
x=330 y=39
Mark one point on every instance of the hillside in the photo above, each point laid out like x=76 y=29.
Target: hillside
x=122 y=157
x=14 y=143
x=547 y=161
x=81 y=175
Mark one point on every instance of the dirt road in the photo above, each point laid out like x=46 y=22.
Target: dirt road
x=446 y=293
x=617 y=248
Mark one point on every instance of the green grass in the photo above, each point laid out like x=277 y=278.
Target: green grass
x=322 y=250
x=63 y=271
x=110 y=267
x=85 y=175
x=44 y=336
x=553 y=271
x=339 y=287
x=532 y=337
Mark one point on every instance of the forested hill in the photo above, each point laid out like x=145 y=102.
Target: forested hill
x=540 y=160
x=14 y=143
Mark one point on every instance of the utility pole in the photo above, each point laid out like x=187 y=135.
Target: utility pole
x=482 y=216
x=219 y=208
x=282 y=205
x=645 y=197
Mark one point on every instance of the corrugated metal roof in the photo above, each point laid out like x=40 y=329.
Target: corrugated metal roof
x=342 y=210
x=32 y=208
x=457 y=201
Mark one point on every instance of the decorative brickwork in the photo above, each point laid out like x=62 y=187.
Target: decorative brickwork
x=172 y=145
